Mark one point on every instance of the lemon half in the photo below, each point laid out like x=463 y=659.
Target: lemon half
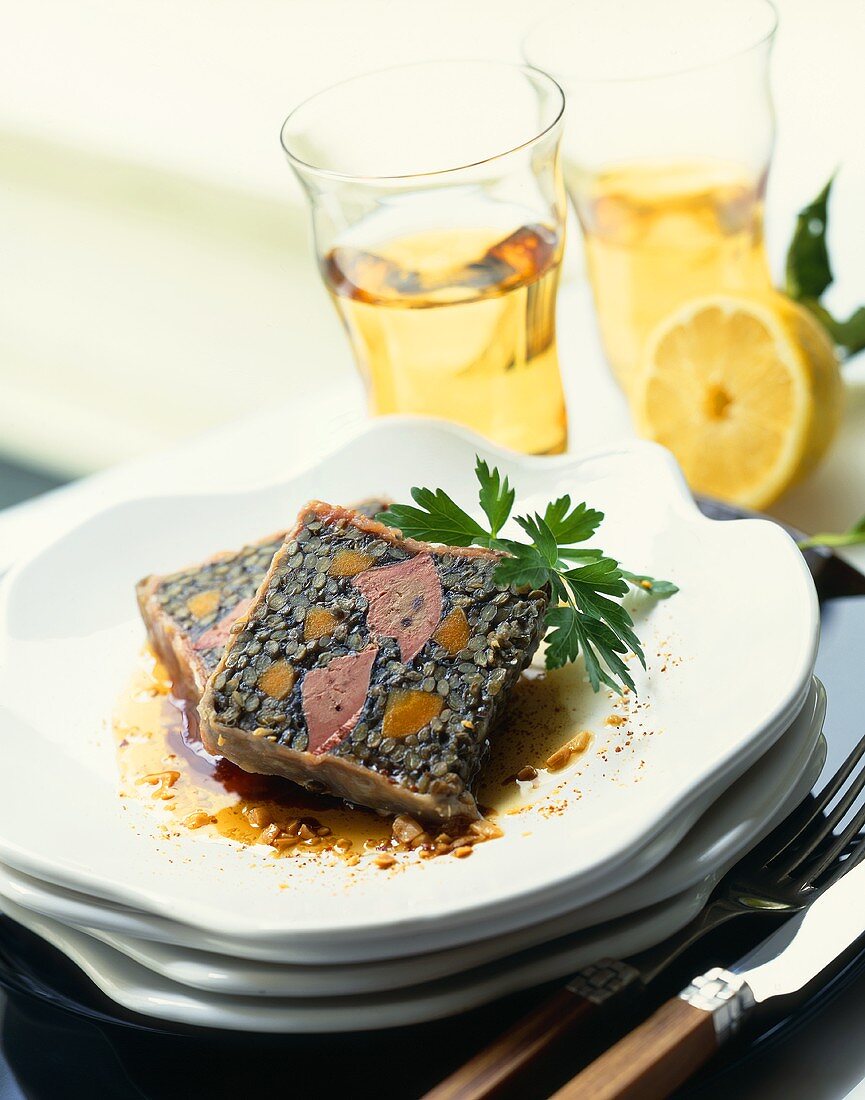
x=745 y=391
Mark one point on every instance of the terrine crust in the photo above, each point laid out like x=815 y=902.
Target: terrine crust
x=188 y=667
x=368 y=783
x=335 y=774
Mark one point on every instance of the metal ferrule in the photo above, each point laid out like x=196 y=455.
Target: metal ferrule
x=725 y=995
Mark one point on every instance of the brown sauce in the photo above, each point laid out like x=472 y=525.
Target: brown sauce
x=161 y=758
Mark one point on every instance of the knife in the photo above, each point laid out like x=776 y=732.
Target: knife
x=665 y=1050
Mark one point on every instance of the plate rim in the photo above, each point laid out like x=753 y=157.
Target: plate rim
x=41 y=866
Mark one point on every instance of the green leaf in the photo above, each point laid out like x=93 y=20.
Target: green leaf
x=496 y=496
x=599 y=643
x=808 y=270
x=543 y=538
x=809 y=274
x=571 y=634
x=573 y=553
x=523 y=566
x=570 y=525
x=854 y=537
x=615 y=619
x=849 y=335
x=438 y=519
x=591 y=586
x=563 y=639
x=603 y=575
x=661 y=590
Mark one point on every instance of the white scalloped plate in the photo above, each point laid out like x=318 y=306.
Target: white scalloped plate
x=730 y=827
x=136 y=985
x=141 y=990
x=743 y=630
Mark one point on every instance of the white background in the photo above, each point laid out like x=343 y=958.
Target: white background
x=154 y=261
x=155 y=270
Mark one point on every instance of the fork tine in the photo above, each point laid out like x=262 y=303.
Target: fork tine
x=842 y=866
x=795 y=830
x=811 y=872
x=847 y=799
x=842 y=775
x=828 y=825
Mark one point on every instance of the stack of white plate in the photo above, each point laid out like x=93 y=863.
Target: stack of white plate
x=615 y=853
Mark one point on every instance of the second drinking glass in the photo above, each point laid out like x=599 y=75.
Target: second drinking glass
x=666 y=152
x=438 y=213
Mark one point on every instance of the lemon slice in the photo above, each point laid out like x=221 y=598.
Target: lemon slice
x=745 y=391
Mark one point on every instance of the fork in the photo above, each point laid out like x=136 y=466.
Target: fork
x=779 y=877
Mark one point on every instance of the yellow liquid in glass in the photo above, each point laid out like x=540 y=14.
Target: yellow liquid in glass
x=459 y=324
x=660 y=234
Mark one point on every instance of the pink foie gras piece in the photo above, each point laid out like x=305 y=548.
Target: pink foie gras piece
x=405 y=602
x=333 y=698
x=220 y=632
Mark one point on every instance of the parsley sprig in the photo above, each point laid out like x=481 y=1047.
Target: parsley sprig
x=584 y=614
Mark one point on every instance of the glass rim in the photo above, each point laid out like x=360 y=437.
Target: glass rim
x=526 y=69
x=562 y=78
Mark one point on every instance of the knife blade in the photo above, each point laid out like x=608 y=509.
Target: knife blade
x=800 y=950
x=660 y=1055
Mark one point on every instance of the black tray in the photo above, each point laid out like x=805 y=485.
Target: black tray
x=61 y=1038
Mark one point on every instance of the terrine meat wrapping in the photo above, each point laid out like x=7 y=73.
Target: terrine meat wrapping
x=372 y=666
x=189 y=614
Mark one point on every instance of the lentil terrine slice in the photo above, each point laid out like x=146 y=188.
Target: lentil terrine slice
x=189 y=614
x=372 y=666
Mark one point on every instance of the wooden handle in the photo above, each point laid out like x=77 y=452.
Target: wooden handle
x=652 y=1061
x=517 y=1050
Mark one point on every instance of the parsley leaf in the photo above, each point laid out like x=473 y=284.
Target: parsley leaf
x=571 y=634
x=437 y=519
x=579 y=553
x=523 y=566
x=496 y=496
x=809 y=274
x=661 y=590
x=585 y=616
x=543 y=538
x=571 y=525
x=563 y=639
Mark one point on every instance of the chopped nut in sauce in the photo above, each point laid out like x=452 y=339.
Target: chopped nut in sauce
x=162 y=781
x=563 y=756
x=405 y=829
x=197 y=820
x=269 y=833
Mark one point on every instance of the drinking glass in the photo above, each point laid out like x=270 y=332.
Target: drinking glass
x=438 y=214
x=666 y=152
